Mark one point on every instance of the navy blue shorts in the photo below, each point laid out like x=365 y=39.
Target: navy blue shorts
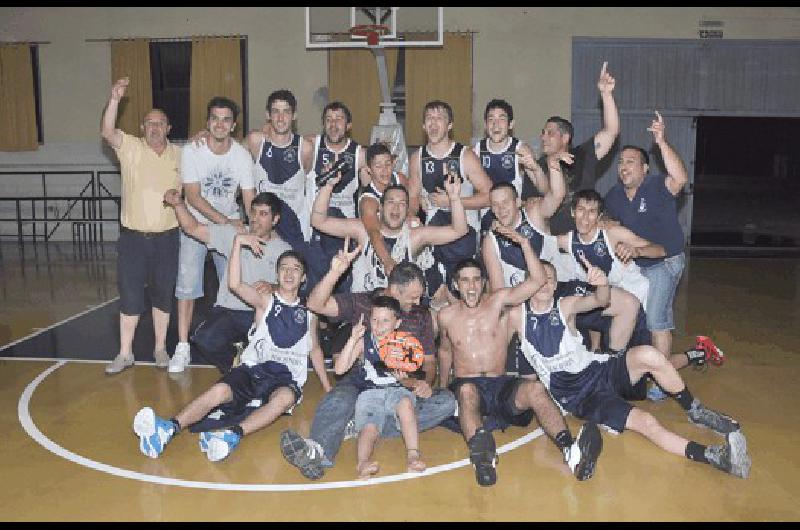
x=608 y=402
x=146 y=260
x=247 y=383
x=497 y=400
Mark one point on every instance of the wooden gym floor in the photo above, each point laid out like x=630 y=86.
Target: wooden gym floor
x=69 y=453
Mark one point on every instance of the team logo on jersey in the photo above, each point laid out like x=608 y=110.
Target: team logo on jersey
x=508 y=161
x=642 y=206
x=580 y=290
x=259 y=347
x=290 y=155
x=300 y=315
x=554 y=317
x=526 y=230
x=515 y=279
x=600 y=249
x=348 y=157
x=217 y=185
x=452 y=165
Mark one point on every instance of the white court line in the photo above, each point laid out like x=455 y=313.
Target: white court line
x=48 y=328
x=27 y=424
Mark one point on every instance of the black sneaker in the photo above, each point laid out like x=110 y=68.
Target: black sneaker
x=583 y=453
x=697 y=358
x=731 y=457
x=483 y=455
x=716 y=421
x=304 y=455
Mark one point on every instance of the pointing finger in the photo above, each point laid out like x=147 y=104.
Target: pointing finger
x=660 y=119
x=603 y=71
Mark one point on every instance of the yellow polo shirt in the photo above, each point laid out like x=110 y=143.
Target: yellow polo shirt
x=146 y=176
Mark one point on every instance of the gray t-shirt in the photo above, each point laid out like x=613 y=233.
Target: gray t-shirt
x=253 y=268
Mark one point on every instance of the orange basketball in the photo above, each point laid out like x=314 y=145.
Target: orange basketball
x=400 y=350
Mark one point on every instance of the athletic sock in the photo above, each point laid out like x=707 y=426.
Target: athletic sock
x=684 y=398
x=238 y=430
x=696 y=452
x=564 y=439
x=176 y=424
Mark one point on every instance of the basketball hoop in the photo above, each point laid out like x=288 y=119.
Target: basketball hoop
x=371 y=31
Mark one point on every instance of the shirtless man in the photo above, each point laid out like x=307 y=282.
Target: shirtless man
x=474 y=337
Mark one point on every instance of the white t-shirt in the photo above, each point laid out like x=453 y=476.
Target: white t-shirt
x=218 y=176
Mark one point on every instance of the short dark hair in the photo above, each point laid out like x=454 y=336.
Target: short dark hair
x=499 y=104
x=282 y=95
x=219 y=102
x=438 y=104
x=377 y=149
x=563 y=125
x=406 y=272
x=588 y=196
x=394 y=187
x=337 y=105
x=501 y=185
x=292 y=254
x=467 y=263
x=642 y=153
x=267 y=198
x=387 y=302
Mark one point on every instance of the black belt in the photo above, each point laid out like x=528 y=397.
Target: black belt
x=147 y=234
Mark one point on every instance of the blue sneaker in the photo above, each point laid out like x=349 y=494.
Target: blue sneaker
x=154 y=432
x=218 y=444
x=654 y=393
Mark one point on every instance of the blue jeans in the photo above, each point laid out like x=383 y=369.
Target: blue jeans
x=191 y=266
x=664 y=278
x=338 y=407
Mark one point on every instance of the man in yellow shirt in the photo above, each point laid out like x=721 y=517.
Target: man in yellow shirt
x=147 y=249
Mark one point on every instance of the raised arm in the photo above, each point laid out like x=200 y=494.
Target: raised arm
x=676 y=171
x=481 y=182
x=558 y=188
x=368 y=212
x=604 y=138
x=352 y=348
x=628 y=245
x=532 y=168
x=572 y=305
x=253 y=143
x=243 y=290
x=320 y=299
x=109 y=131
x=414 y=184
x=491 y=261
x=536 y=273
x=441 y=235
x=186 y=220
x=317 y=357
x=333 y=225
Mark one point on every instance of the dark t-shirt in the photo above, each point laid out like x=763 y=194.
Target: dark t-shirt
x=652 y=214
x=581 y=175
x=418 y=321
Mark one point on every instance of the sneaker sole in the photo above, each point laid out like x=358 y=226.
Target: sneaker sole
x=217 y=449
x=737 y=427
x=294 y=449
x=591 y=444
x=110 y=371
x=144 y=425
x=740 y=460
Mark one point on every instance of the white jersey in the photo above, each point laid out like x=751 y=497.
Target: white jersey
x=368 y=271
x=343 y=197
x=279 y=170
x=512 y=261
x=283 y=336
x=559 y=357
x=598 y=253
x=219 y=177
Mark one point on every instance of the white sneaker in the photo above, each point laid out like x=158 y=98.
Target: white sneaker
x=180 y=360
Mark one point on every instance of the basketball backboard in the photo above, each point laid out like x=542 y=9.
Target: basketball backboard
x=330 y=27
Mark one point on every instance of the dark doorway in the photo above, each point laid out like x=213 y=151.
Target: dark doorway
x=747 y=183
